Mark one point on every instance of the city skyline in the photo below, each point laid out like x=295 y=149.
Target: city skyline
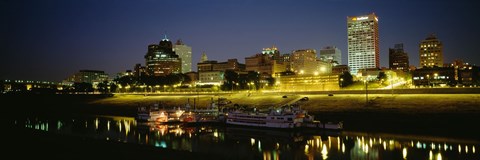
x=51 y=40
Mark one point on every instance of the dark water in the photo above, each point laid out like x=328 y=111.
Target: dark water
x=228 y=142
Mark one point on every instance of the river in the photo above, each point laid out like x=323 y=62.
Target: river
x=230 y=142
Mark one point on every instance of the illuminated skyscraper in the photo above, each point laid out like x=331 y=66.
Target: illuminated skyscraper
x=363 y=46
x=431 y=53
x=185 y=53
x=161 y=60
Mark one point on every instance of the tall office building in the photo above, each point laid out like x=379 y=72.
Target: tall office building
x=185 y=53
x=363 y=45
x=161 y=60
x=331 y=54
x=431 y=53
x=397 y=58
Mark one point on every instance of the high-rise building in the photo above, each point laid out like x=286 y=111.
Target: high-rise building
x=161 y=60
x=304 y=61
x=185 y=53
x=363 y=45
x=431 y=53
x=331 y=54
x=397 y=58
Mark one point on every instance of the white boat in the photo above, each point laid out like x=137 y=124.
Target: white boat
x=151 y=114
x=277 y=118
x=155 y=114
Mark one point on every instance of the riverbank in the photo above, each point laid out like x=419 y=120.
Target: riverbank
x=447 y=115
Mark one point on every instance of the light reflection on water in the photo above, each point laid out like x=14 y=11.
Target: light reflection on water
x=251 y=143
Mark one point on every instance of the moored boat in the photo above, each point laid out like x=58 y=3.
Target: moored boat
x=156 y=114
x=276 y=118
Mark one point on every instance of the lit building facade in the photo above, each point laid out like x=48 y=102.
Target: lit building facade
x=212 y=72
x=231 y=64
x=304 y=61
x=268 y=63
x=161 y=60
x=397 y=58
x=185 y=53
x=307 y=82
x=363 y=42
x=431 y=52
x=88 y=76
x=331 y=54
x=434 y=77
x=211 y=78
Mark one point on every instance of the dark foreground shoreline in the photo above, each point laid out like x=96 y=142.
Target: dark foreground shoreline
x=34 y=144
x=445 y=124
x=25 y=143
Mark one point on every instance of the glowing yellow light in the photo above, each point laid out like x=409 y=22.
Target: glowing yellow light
x=439 y=156
x=96 y=123
x=252 y=141
x=127 y=126
x=404 y=153
x=430 y=155
x=473 y=149
x=306 y=148
x=459 y=149
x=324 y=152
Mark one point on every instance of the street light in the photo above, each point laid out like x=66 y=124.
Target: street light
x=341 y=82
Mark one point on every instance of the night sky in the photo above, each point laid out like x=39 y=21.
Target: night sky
x=52 y=39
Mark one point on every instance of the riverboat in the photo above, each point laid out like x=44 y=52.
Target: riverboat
x=275 y=118
x=156 y=114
